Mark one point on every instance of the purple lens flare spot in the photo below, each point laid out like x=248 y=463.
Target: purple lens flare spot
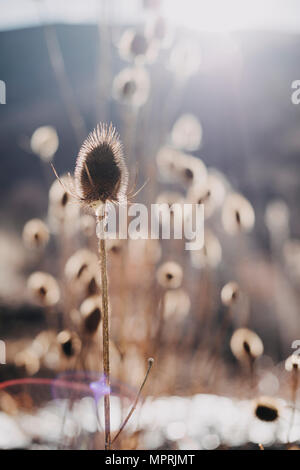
x=100 y=388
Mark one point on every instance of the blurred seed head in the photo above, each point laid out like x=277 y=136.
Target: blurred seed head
x=44 y=142
x=277 y=217
x=42 y=343
x=158 y=29
x=267 y=409
x=169 y=275
x=82 y=266
x=291 y=253
x=43 y=289
x=230 y=293
x=144 y=251
x=100 y=172
x=132 y=86
x=8 y=404
x=90 y=310
x=245 y=344
x=211 y=193
x=69 y=342
x=175 y=166
x=187 y=133
x=177 y=304
x=87 y=225
x=210 y=255
x=62 y=208
x=292 y=362
x=185 y=59
x=29 y=360
x=237 y=214
x=35 y=234
x=136 y=46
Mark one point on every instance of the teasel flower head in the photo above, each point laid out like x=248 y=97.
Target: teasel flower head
x=44 y=142
x=101 y=174
x=292 y=363
x=246 y=344
x=170 y=275
x=90 y=310
x=229 y=293
x=267 y=409
x=35 y=234
x=69 y=343
x=237 y=214
x=132 y=86
x=43 y=289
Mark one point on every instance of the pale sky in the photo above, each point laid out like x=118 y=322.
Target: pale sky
x=202 y=15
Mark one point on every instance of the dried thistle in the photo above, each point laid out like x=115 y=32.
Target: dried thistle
x=100 y=173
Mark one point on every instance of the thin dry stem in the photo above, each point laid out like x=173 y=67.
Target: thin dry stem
x=150 y=363
x=105 y=328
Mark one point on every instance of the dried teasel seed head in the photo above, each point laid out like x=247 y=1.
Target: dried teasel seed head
x=169 y=275
x=245 y=344
x=100 y=173
x=35 y=234
x=82 y=266
x=69 y=342
x=229 y=293
x=131 y=86
x=29 y=360
x=187 y=133
x=292 y=363
x=43 y=288
x=44 y=142
x=266 y=409
x=90 y=310
x=237 y=214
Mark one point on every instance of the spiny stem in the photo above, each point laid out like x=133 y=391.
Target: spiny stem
x=105 y=325
x=150 y=362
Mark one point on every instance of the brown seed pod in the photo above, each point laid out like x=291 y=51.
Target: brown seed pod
x=100 y=173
